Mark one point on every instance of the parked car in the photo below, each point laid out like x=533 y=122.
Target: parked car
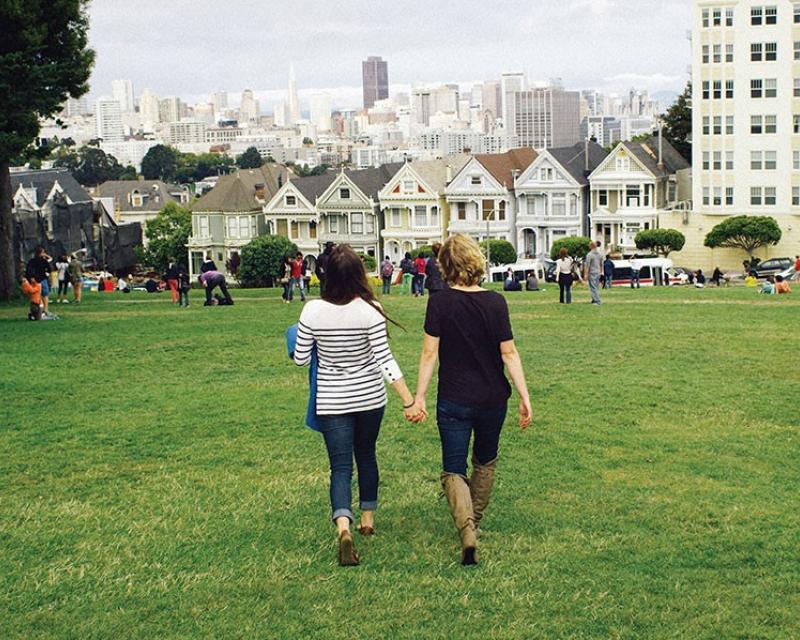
x=521 y=270
x=787 y=274
x=549 y=271
x=772 y=267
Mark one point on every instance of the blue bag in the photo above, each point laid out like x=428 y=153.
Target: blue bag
x=312 y=419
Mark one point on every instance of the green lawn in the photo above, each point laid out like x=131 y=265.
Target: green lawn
x=156 y=480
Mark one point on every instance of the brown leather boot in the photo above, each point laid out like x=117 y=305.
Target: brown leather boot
x=457 y=491
x=480 y=487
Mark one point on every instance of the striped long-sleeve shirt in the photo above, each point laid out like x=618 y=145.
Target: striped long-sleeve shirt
x=353 y=352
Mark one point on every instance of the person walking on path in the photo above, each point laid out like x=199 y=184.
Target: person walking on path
x=298 y=277
x=322 y=265
x=211 y=280
x=565 y=267
x=593 y=267
x=433 y=275
x=387 y=269
x=348 y=329
x=76 y=277
x=39 y=268
x=608 y=272
x=636 y=268
x=62 y=271
x=171 y=278
x=406 y=267
x=418 y=270
x=468 y=330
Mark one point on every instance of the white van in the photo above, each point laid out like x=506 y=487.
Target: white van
x=521 y=270
x=653 y=272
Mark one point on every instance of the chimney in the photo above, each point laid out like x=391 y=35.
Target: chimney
x=660 y=146
x=260 y=190
x=586 y=156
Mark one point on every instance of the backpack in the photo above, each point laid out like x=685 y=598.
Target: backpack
x=387 y=269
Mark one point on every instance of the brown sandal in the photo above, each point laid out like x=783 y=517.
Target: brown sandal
x=366 y=531
x=347 y=553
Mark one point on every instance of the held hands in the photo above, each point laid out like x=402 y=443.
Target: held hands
x=525 y=413
x=416 y=413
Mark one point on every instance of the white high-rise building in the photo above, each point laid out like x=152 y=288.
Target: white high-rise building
x=746 y=116
x=108 y=116
x=249 y=110
x=220 y=101
x=510 y=83
x=293 y=102
x=321 y=105
x=149 y=110
x=546 y=117
x=123 y=93
x=279 y=115
x=172 y=109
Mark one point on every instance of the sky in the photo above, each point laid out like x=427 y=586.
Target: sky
x=193 y=47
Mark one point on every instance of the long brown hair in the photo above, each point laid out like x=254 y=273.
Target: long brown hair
x=346 y=280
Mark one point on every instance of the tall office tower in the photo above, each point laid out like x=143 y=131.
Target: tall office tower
x=220 y=101
x=321 y=105
x=149 y=111
x=248 y=107
x=108 y=117
x=122 y=91
x=74 y=107
x=510 y=83
x=279 y=115
x=375 y=80
x=492 y=100
x=171 y=109
x=594 y=101
x=547 y=117
x=746 y=116
x=292 y=102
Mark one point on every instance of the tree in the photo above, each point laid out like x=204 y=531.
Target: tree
x=662 y=241
x=305 y=171
x=160 y=163
x=167 y=236
x=250 y=159
x=91 y=166
x=425 y=251
x=370 y=264
x=44 y=59
x=261 y=260
x=501 y=252
x=128 y=173
x=678 y=124
x=308 y=142
x=578 y=247
x=744 y=232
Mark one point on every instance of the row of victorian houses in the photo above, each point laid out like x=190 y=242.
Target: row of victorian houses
x=527 y=197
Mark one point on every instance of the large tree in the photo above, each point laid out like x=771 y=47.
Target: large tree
x=662 y=241
x=578 y=247
x=747 y=233
x=44 y=59
x=91 y=166
x=167 y=236
x=678 y=124
x=160 y=163
x=250 y=159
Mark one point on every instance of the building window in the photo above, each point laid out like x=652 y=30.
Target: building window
x=706 y=89
x=756 y=16
x=755 y=196
x=729 y=160
x=770 y=51
x=717 y=89
x=501 y=213
x=622 y=164
x=717 y=53
x=487 y=207
x=291 y=201
x=294 y=230
x=312 y=229
x=475 y=181
x=718 y=161
x=729 y=16
x=770 y=196
x=756 y=125
x=771 y=15
x=756 y=54
x=770 y=160
x=602 y=198
x=796 y=196
x=771 y=88
x=705 y=161
x=717 y=125
x=705 y=18
x=729 y=125
x=728 y=53
x=796 y=160
x=796 y=88
x=559 y=204
x=795 y=124
x=797 y=13
x=705 y=54
x=716 y=16
x=729 y=89
x=434 y=216
x=395 y=217
x=344 y=194
x=370 y=220
x=770 y=124
x=632 y=196
x=462 y=210
x=706 y=196
x=755 y=160
x=729 y=196
x=357 y=223
x=408 y=186
x=706 y=125
x=546 y=174
x=756 y=88
x=232 y=226
x=797 y=50
x=420 y=216
x=333 y=223
x=717 y=196
x=204 y=233
x=244 y=226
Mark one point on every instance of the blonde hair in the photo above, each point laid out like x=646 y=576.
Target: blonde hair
x=461 y=261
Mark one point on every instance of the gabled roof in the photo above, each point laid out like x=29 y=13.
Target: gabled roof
x=646 y=152
x=371 y=181
x=43 y=181
x=434 y=172
x=503 y=165
x=313 y=186
x=236 y=192
x=121 y=190
x=573 y=159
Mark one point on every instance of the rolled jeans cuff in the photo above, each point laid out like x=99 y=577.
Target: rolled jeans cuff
x=342 y=513
x=368 y=505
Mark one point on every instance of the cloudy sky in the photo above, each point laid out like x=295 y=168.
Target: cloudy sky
x=192 y=47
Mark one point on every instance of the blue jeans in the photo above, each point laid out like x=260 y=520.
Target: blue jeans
x=608 y=278
x=456 y=425
x=565 y=288
x=345 y=435
x=300 y=284
x=635 y=279
x=594 y=287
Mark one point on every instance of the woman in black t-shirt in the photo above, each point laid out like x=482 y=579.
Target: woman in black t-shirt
x=468 y=329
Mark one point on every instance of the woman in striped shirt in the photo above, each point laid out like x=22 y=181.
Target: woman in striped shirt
x=348 y=327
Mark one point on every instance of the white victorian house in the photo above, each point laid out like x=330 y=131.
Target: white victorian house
x=552 y=197
x=480 y=196
x=630 y=188
x=415 y=210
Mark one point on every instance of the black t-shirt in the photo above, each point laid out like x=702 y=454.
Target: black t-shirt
x=433 y=277
x=470 y=326
x=38 y=267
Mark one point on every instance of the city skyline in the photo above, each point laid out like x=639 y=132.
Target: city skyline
x=416 y=55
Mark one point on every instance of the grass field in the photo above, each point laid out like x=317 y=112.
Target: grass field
x=156 y=480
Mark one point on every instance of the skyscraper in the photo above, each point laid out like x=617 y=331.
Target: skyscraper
x=375 y=80
x=510 y=83
x=123 y=93
x=321 y=104
x=546 y=117
x=292 y=102
x=108 y=116
x=220 y=101
x=149 y=112
x=248 y=107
